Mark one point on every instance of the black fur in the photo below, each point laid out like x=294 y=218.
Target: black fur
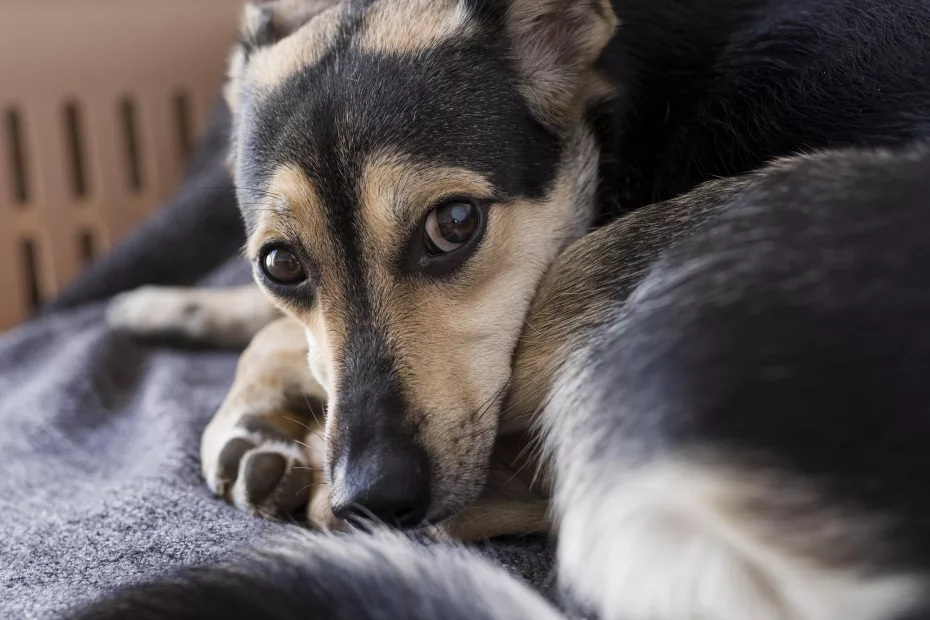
x=720 y=87
x=455 y=105
x=805 y=302
x=809 y=310
x=301 y=576
x=790 y=332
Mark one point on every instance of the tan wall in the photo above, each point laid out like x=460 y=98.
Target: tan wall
x=100 y=101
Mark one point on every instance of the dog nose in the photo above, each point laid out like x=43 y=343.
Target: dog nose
x=391 y=487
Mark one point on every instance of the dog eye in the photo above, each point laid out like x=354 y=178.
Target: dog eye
x=282 y=266
x=449 y=226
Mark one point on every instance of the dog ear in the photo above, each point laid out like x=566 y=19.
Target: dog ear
x=263 y=23
x=556 y=43
x=266 y=22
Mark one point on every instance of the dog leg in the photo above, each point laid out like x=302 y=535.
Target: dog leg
x=263 y=450
x=223 y=317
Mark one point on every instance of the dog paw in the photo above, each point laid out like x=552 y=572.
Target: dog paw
x=262 y=470
x=158 y=311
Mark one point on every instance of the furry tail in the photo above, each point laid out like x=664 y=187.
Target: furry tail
x=354 y=577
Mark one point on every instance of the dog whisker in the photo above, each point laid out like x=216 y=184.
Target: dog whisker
x=309 y=486
x=298 y=422
x=313 y=412
x=309 y=447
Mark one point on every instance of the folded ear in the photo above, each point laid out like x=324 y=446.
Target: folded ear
x=556 y=43
x=267 y=22
x=264 y=23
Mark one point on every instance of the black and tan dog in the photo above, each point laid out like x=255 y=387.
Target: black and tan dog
x=728 y=372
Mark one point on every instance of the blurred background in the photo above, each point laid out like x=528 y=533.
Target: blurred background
x=101 y=103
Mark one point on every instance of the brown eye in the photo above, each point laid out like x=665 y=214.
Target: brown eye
x=282 y=267
x=449 y=226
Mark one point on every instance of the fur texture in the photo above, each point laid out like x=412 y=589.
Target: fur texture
x=382 y=575
x=725 y=375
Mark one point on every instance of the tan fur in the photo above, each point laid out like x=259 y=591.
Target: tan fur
x=493 y=517
x=317 y=20
x=477 y=319
x=270 y=66
x=293 y=206
x=391 y=29
x=295 y=210
x=273 y=384
x=454 y=341
x=565 y=308
x=451 y=340
x=556 y=44
x=397 y=190
x=458 y=346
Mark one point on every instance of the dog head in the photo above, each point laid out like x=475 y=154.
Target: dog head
x=407 y=170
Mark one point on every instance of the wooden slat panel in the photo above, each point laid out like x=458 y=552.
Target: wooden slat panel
x=102 y=160
x=55 y=203
x=6 y=168
x=93 y=52
x=157 y=126
x=13 y=304
x=112 y=197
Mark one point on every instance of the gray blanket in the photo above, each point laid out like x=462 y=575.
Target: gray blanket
x=99 y=434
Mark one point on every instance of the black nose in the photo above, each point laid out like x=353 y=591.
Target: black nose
x=391 y=486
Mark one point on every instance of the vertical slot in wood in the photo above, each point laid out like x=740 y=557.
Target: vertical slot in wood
x=181 y=106
x=87 y=247
x=75 y=151
x=13 y=138
x=29 y=264
x=129 y=126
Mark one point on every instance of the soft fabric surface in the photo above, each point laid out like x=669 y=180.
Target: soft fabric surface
x=99 y=434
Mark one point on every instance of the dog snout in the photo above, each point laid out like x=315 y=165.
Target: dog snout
x=390 y=485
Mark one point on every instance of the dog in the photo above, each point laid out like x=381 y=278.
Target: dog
x=683 y=243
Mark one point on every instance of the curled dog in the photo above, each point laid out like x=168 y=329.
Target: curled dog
x=726 y=371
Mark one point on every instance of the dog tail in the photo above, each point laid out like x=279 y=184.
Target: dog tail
x=337 y=577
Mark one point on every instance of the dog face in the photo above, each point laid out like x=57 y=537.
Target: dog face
x=407 y=170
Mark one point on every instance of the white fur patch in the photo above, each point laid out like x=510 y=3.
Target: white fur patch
x=670 y=543
x=230 y=316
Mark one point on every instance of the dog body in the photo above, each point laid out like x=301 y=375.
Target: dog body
x=726 y=374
